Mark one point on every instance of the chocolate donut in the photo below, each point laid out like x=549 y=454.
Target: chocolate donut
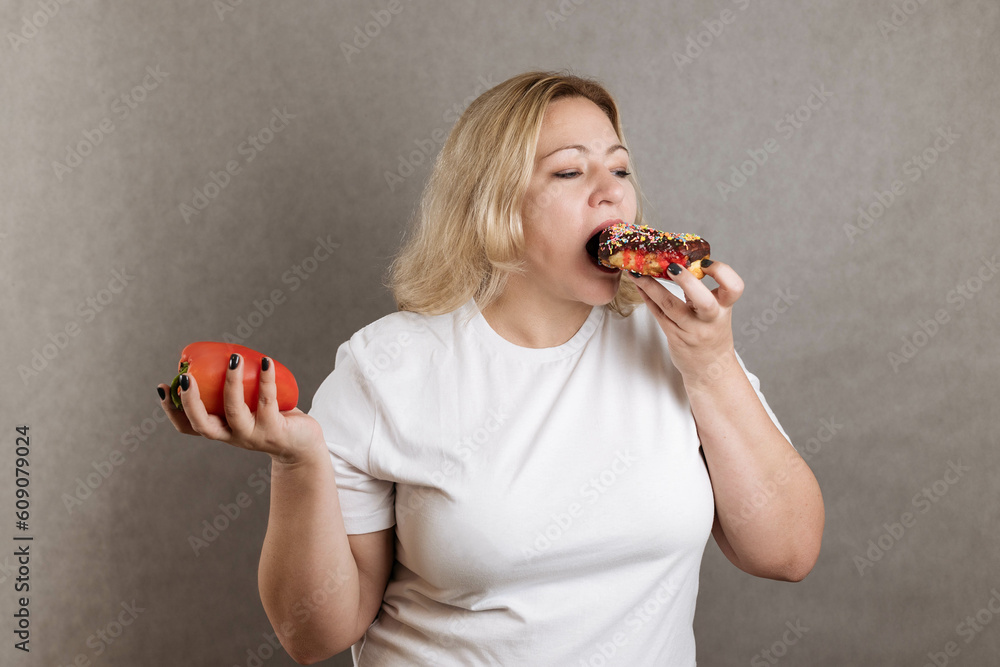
x=648 y=251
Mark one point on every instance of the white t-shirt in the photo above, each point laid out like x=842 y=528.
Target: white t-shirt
x=551 y=505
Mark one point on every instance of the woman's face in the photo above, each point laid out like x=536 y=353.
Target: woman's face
x=579 y=186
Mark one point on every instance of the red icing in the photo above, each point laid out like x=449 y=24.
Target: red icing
x=635 y=260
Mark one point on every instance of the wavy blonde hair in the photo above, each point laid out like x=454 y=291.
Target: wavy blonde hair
x=467 y=237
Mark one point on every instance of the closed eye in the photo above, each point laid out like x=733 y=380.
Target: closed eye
x=620 y=173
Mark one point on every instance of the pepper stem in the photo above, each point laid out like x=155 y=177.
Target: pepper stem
x=174 y=396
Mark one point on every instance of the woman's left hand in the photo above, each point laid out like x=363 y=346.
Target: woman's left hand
x=700 y=330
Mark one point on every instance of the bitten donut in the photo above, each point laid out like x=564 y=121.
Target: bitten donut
x=648 y=251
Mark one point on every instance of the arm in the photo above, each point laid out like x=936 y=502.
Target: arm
x=745 y=453
x=320 y=588
x=769 y=510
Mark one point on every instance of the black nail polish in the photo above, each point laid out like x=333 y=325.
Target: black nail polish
x=163 y=394
x=185 y=383
x=265 y=363
x=634 y=274
x=674 y=269
x=234 y=361
x=705 y=263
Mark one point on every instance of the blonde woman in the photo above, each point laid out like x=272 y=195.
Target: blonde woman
x=524 y=464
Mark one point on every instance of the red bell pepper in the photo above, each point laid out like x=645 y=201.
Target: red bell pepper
x=208 y=361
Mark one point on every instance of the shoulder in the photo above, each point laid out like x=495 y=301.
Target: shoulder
x=405 y=328
x=401 y=342
x=393 y=352
x=398 y=326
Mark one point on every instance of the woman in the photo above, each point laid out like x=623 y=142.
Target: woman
x=529 y=457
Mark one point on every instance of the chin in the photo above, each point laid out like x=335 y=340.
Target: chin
x=602 y=295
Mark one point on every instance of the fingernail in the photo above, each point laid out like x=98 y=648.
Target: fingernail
x=185 y=383
x=234 y=361
x=706 y=263
x=634 y=274
x=163 y=394
x=674 y=269
x=265 y=363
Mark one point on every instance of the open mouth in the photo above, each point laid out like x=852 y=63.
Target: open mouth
x=593 y=244
x=592 y=249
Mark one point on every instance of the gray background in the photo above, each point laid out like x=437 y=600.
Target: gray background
x=877 y=432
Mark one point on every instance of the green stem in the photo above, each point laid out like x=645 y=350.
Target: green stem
x=174 y=396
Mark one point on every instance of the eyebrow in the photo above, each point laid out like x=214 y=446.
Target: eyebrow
x=585 y=150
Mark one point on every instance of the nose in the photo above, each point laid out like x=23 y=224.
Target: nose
x=608 y=189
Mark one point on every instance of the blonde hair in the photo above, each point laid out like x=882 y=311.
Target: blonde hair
x=468 y=237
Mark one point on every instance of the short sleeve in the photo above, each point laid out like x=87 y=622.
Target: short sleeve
x=343 y=406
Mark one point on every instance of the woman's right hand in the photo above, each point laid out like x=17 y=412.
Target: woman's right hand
x=288 y=437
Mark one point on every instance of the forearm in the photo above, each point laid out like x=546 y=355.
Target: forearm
x=768 y=503
x=308 y=577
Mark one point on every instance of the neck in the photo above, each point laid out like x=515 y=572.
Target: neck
x=532 y=320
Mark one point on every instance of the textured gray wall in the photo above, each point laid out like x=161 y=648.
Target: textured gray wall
x=876 y=344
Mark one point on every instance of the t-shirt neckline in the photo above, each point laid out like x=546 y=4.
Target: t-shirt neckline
x=507 y=348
